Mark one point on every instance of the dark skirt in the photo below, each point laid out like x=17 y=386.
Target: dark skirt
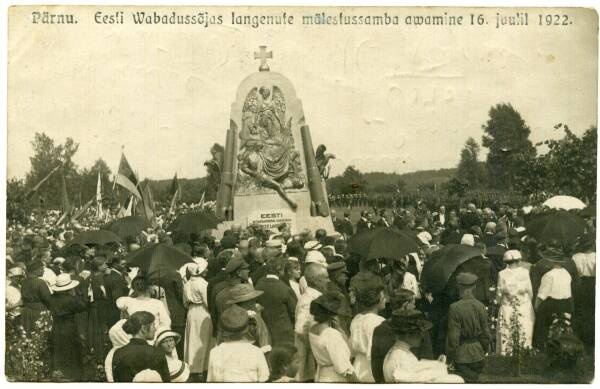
x=67 y=350
x=547 y=312
x=97 y=333
x=585 y=308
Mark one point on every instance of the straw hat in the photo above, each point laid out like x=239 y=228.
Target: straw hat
x=64 y=282
x=409 y=321
x=234 y=319
x=242 y=292
x=165 y=333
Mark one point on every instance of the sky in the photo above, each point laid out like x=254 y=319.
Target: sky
x=391 y=99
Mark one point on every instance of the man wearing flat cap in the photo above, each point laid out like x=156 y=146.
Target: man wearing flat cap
x=468 y=335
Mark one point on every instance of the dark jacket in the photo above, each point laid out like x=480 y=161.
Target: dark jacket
x=279 y=301
x=136 y=356
x=468 y=335
x=362 y=225
x=173 y=287
x=67 y=348
x=116 y=287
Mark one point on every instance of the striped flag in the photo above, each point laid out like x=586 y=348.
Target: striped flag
x=127 y=179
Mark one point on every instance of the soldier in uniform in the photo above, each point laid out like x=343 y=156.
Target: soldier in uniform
x=468 y=335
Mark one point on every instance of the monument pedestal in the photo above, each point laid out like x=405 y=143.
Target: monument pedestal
x=269 y=173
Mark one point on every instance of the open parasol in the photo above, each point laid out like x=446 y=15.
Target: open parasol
x=158 y=259
x=442 y=264
x=564 y=202
x=194 y=223
x=95 y=237
x=557 y=226
x=127 y=226
x=382 y=242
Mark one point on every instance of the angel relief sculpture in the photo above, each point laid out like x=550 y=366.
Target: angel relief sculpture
x=267 y=158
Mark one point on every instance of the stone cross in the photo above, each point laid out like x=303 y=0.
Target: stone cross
x=263 y=55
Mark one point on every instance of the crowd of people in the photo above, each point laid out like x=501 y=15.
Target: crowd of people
x=277 y=306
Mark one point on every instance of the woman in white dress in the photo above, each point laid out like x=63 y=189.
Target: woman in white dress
x=362 y=327
x=401 y=365
x=140 y=300
x=198 y=329
x=329 y=347
x=166 y=340
x=514 y=291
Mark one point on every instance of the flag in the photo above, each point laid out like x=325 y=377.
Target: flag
x=202 y=200
x=127 y=178
x=39 y=184
x=67 y=207
x=146 y=206
x=126 y=209
x=175 y=193
x=99 y=198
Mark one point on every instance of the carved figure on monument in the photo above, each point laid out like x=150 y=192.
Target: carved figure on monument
x=322 y=159
x=267 y=157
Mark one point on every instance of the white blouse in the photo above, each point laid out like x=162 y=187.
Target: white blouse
x=131 y=305
x=586 y=264
x=555 y=284
x=332 y=355
x=361 y=338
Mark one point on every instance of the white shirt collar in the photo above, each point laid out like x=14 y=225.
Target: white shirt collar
x=272 y=276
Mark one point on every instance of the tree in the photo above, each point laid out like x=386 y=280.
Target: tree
x=17 y=209
x=353 y=181
x=507 y=138
x=457 y=187
x=569 y=166
x=86 y=188
x=46 y=156
x=469 y=169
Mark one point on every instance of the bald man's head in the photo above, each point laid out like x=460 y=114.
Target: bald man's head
x=316 y=276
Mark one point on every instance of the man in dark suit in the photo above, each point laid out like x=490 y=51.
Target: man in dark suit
x=364 y=223
x=470 y=218
x=441 y=218
x=279 y=302
x=453 y=234
x=346 y=226
x=382 y=222
x=116 y=286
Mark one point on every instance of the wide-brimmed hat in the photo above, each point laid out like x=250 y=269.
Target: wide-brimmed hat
x=234 y=319
x=336 y=267
x=64 y=282
x=242 y=292
x=312 y=245
x=165 y=333
x=409 y=321
x=314 y=256
x=330 y=301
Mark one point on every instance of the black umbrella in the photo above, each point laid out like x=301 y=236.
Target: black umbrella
x=158 y=259
x=95 y=237
x=127 y=226
x=557 y=226
x=382 y=242
x=442 y=264
x=194 y=223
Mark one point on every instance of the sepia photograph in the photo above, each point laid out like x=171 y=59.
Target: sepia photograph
x=286 y=194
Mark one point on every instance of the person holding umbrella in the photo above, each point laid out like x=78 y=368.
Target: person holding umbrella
x=468 y=335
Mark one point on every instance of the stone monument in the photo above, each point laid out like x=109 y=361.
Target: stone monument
x=269 y=174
